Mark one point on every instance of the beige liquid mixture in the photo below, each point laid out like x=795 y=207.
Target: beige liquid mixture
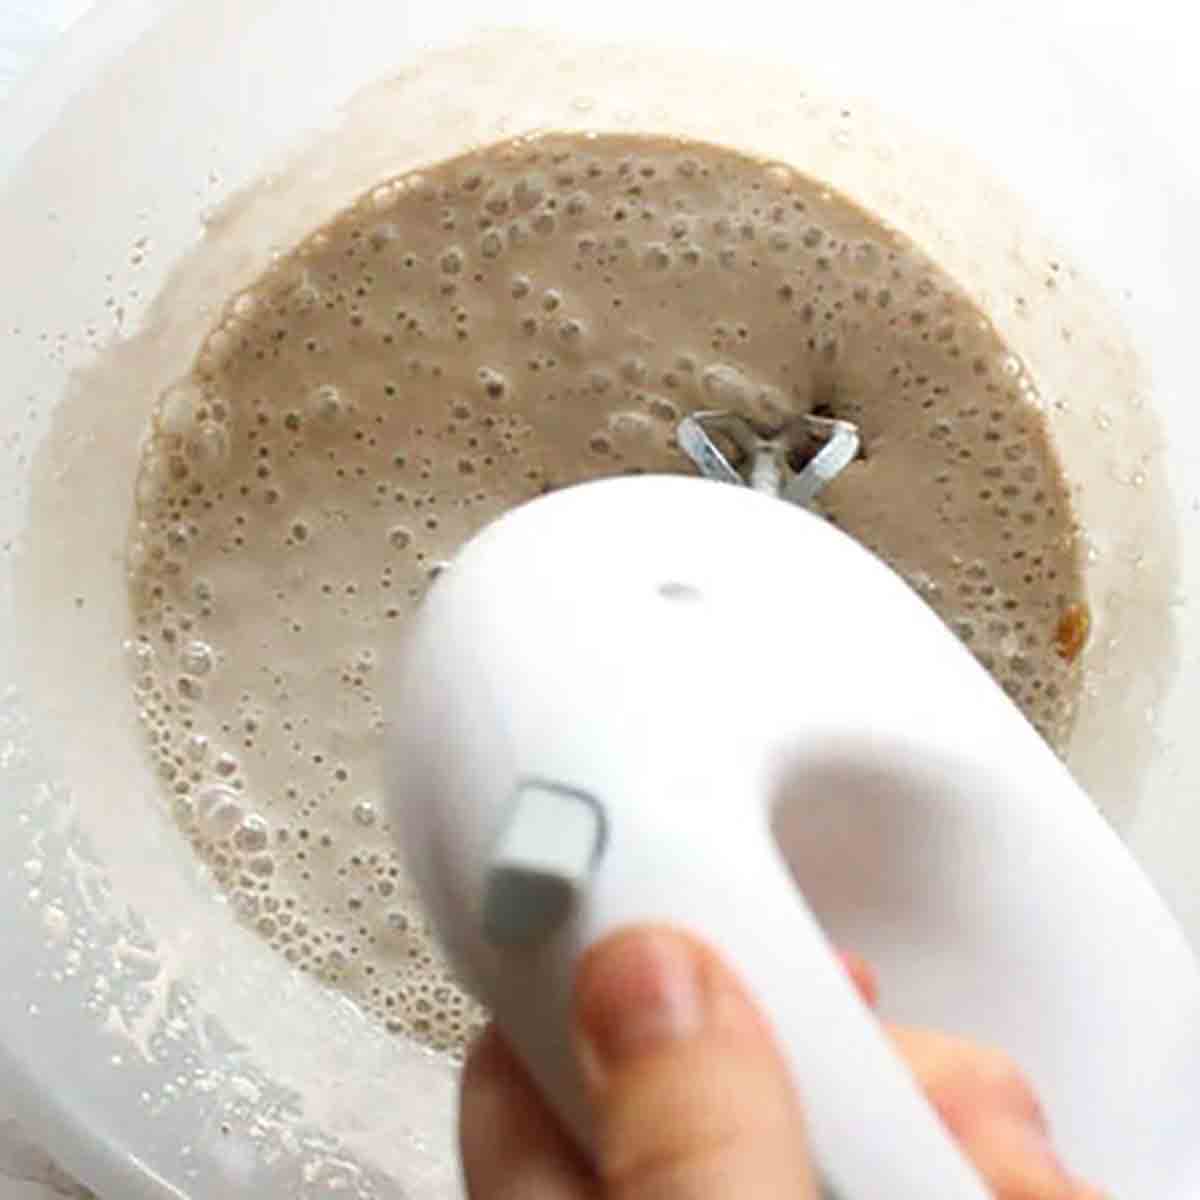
x=532 y=315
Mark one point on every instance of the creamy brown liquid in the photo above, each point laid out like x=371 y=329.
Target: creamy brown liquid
x=529 y=316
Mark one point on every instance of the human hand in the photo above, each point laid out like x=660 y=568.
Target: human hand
x=692 y=1100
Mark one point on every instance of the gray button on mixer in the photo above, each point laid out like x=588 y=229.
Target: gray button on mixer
x=543 y=856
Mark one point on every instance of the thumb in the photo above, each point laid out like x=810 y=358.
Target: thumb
x=690 y=1097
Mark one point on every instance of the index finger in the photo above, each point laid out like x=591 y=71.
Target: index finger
x=512 y=1144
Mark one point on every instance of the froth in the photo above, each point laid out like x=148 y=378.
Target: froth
x=531 y=315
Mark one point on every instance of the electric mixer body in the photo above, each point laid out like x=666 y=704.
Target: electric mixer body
x=664 y=699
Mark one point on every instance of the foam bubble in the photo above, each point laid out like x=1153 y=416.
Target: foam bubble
x=209 y=445
x=657 y=257
x=452 y=260
x=726 y=386
x=177 y=410
x=327 y=404
x=218 y=810
x=578 y=203
x=196 y=657
x=252 y=834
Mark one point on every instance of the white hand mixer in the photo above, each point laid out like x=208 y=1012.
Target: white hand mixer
x=664 y=699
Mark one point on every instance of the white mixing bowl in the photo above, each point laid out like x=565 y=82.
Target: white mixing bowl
x=151 y=168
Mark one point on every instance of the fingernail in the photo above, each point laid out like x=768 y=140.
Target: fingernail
x=637 y=992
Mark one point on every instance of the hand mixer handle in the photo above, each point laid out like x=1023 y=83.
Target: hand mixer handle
x=592 y=725
x=873 y=1133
